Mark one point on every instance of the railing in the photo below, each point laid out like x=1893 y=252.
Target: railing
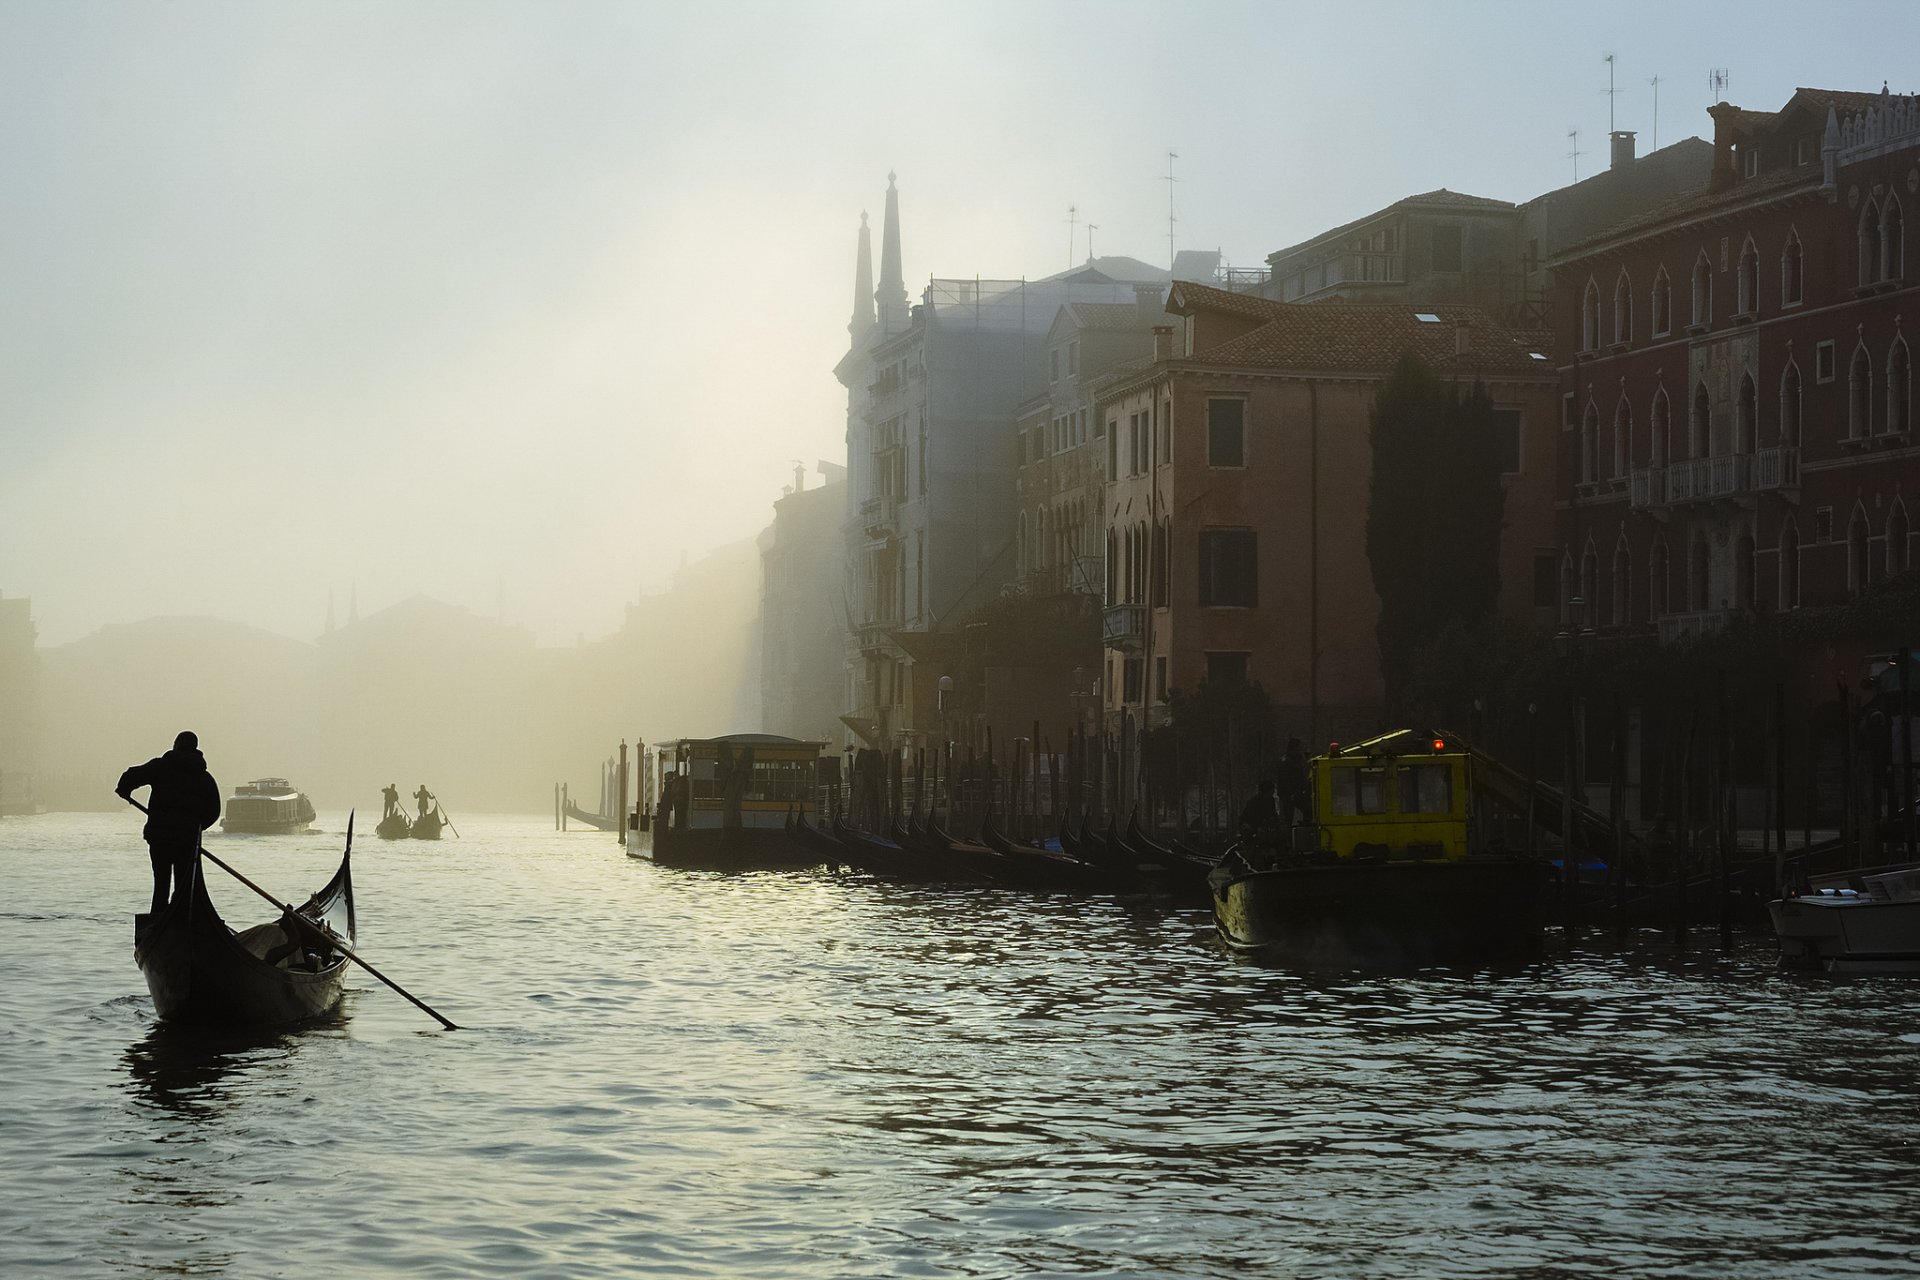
x=872 y=636
x=1124 y=626
x=1679 y=626
x=880 y=513
x=1704 y=479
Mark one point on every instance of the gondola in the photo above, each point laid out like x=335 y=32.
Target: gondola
x=394 y=827
x=1040 y=868
x=427 y=826
x=201 y=971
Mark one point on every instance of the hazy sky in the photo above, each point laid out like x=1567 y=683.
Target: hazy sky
x=514 y=303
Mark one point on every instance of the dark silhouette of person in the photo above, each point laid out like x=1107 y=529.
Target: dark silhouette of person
x=182 y=801
x=425 y=799
x=392 y=797
x=1261 y=813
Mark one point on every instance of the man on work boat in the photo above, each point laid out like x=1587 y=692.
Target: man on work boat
x=184 y=800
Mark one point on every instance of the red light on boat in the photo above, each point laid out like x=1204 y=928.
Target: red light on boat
x=1439 y=744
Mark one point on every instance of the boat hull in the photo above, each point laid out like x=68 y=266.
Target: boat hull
x=200 y=971
x=714 y=849
x=1386 y=914
x=1847 y=936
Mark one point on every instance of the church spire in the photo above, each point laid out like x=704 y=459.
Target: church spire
x=892 y=293
x=862 y=326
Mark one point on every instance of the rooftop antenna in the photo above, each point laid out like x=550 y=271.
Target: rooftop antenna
x=1573 y=136
x=1717 y=83
x=1655 y=82
x=1172 y=155
x=1091 y=228
x=1611 y=93
x=1073 y=218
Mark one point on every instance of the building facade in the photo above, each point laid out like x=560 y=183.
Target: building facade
x=1236 y=515
x=1737 y=380
x=802 y=633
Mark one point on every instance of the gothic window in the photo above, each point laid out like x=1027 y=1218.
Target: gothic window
x=1566 y=589
x=1700 y=424
x=1744 y=416
x=1622 y=309
x=1892 y=250
x=1789 y=566
x=1748 y=284
x=1622 y=438
x=1792 y=271
x=1702 y=291
x=1590 y=583
x=1859 y=567
x=1898 y=561
x=1743 y=576
x=1590 y=446
x=1662 y=304
x=1113 y=569
x=1899 y=387
x=1590 y=318
x=1790 y=405
x=1661 y=445
x=1860 y=396
x=1870 y=243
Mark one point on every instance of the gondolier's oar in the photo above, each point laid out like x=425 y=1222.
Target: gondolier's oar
x=444 y=818
x=317 y=925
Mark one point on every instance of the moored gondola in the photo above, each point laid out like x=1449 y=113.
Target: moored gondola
x=200 y=970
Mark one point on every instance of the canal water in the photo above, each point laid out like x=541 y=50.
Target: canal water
x=795 y=1075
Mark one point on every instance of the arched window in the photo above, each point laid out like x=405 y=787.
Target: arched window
x=1700 y=423
x=1657 y=596
x=1623 y=309
x=1622 y=438
x=1566 y=589
x=1898 y=560
x=1789 y=565
x=1590 y=445
x=1859 y=567
x=1702 y=290
x=1899 y=387
x=1790 y=405
x=1698 y=575
x=1744 y=417
x=1162 y=560
x=1622 y=586
x=1662 y=304
x=1892 y=237
x=1744 y=596
x=1792 y=271
x=1590 y=583
x=1661 y=445
x=1870 y=243
x=1860 y=395
x=1113 y=569
x=1590 y=318
x=1020 y=547
x=1747 y=287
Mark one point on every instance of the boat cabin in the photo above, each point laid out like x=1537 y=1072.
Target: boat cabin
x=771 y=775
x=1400 y=796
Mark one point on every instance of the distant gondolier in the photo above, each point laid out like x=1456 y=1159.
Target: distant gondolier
x=424 y=798
x=392 y=796
x=183 y=801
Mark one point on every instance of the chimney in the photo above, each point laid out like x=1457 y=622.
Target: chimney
x=1722 y=175
x=1622 y=140
x=1163 y=342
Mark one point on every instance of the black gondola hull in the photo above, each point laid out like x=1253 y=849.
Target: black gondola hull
x=200 y=971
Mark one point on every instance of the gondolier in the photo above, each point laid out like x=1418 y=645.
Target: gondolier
x=184 y=801
x=425 y=799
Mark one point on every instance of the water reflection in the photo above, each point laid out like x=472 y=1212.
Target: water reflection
x=198 y=1072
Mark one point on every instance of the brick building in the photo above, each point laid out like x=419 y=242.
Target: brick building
x=1240 y=460
x=1736 y=378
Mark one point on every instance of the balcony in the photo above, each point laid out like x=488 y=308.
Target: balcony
x=1124 y=627
x=1725 y=478
x=873 y=637
x=1687 y=626
x=880 y=515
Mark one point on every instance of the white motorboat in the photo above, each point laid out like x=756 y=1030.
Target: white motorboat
x=1855 y=922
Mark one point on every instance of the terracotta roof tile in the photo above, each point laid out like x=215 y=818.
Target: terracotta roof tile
x=1110 y=316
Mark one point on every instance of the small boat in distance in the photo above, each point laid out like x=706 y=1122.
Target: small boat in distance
x=394 y=827
x=268 y=807
x=200 y=970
